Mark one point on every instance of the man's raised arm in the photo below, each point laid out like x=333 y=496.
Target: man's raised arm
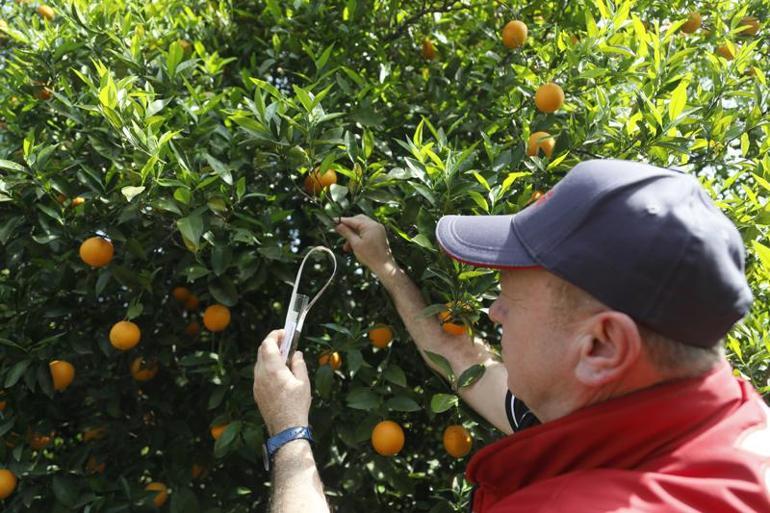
x=368 y=241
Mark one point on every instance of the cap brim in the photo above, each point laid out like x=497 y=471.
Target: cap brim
x=483 y=241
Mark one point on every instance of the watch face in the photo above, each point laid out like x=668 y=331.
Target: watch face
x=265 y=457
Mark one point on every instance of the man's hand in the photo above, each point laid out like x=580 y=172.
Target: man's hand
x=369 y=242
x=282 y=394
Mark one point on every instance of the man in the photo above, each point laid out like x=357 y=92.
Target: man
x=617 y=288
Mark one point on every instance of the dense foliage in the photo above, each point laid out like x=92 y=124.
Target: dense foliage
x=184 y=133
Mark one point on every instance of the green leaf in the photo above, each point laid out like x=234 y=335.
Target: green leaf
x=174 y=57
x=224 y=291
x=442 y=402
x=471 y=375
x=395 y=375
x=402 y=403
x=65 y=490
x=678 y=100
x=762 y=251
x=11 y=166
x=16 y=372
x=443 y=364
x=108 y=94
x=191 y=228
x=184 y=500
x=220 y=169
x=130 y=192
x=324 y=377
x=225 y=442
x=362 y=399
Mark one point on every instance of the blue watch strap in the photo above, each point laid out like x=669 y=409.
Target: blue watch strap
x=275 y=442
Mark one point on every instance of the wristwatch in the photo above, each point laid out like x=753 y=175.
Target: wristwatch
x=275 y=442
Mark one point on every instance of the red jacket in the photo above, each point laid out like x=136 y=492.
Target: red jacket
x=694 y=445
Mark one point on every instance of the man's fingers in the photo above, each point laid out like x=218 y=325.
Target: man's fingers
x=269 y=350
x=357 y=222
x=346 y=247
x=346 y=231
x=299 y=368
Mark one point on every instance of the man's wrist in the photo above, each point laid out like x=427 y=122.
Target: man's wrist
x=389 y=273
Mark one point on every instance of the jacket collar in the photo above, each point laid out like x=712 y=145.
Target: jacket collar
x=620 y=433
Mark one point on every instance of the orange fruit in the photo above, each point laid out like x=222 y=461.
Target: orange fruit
x=42 y=92
x=198 y=471
x=457 y=441
x=753 y=26
x=162 y=495
x=77 y=201
x=514 y=34
x=428 y=50
x=540 y=141
x=452 y=328
x=143 y=370
x=330 y=358
x=124 y=335
x=38 y=441
x=693 y=23
x=186 y=46
x=96 y=251
x=192 y=329
x=181 y=294
x=315 y=182
x=62 y=374
x=3 y=404
x=387 y=438
x=192 y=303
x=216 y=317
x=7 y=483
x=216 y=431
x=94 y=433
x=46 y=12
x=549 y=97
x=725 y=51
x=380 y=336
x=92 y=466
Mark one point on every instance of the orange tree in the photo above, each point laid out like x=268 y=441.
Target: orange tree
x=207 y=144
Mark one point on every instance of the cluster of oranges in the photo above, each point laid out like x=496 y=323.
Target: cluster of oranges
x=748 y=25
x=124 y=335
x=388 y=439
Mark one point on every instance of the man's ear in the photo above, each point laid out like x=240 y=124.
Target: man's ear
x=608 y=347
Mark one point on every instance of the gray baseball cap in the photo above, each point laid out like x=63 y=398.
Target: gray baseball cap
x=643 y=240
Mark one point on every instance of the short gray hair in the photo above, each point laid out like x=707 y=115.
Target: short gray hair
x=673 y=359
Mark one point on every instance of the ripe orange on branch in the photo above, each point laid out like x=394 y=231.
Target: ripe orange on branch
x=428 y=50
x=162 y=493
x=549 y=97
x=46 y=12
x=181 y=294
x=330 y=358
x=514 y=34
x=751 y=25
x=693 y=23
x=315 y=182
x=192 y=303
x=216 y=431
x=124 y=335
x=216 y=317
x=380 y=336
x=540 y=141
x=96 y=251
x=457 y=441
x=724 y=50
x=448 y=324
x=387 y=438
x=62 y=374
x=94 y=433
x=7 y=483
x=143 y=370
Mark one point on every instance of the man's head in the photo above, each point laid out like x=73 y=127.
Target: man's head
x=623 y=276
